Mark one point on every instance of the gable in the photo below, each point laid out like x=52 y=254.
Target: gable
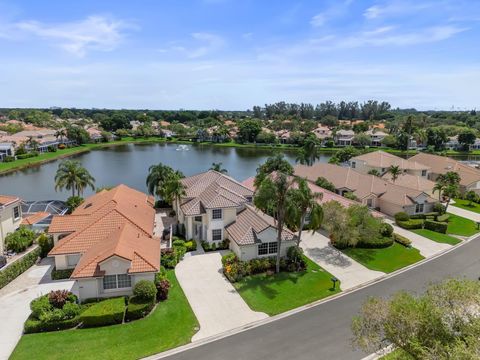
x=115 y=265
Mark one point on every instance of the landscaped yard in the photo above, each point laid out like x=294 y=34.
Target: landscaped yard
x=171 y=324
x=277 y=293
x=387 y=259
x=458 y=225
x=465 y=204
x=436 y=236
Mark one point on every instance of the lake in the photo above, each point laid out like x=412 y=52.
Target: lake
x=128 y=164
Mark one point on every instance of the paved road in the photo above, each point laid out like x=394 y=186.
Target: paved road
x=323 y=332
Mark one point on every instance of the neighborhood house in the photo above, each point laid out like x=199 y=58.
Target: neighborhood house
x=10 y=217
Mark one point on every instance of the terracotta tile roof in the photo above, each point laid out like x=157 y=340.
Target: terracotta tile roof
x=96 y=223
x=211 y=190
x=383 y=159
x=34 y=218
x=249 y=224
x=7 y=199
x=126 y=242
x=443 y=164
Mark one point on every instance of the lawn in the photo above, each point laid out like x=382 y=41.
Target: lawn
x=458 y=225
x=398 y=354
x=465 y=204
x=171 y=324
x=436 y=236
x=387 y=259
x=274 y=294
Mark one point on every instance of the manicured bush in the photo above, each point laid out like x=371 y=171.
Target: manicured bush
x=411 y=224
x=439 y=208
x=178 y=242
x=191 y=245
x=386 y=230
x=401 y=216
x=376 y=243
x=214 y=246
x=418 y=216
x=20 y=240
x=8 y=159
x=440 y=227
x=58 y=298
x=27 y=155
x=138 y=308
x=206 y=246
x=443 y=218
x=40 y=306
x=46 y=244
x=163 y=287
x=18 y=267
x=33 y=325
x=402 y=240
x=169 y=258
x=294 y=261
x=145 y=290
x=61 y=274
x=229 y=258
x=105 y=312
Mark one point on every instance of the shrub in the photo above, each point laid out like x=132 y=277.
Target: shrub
x=46 y=244
x=214 y=246
x=27 y=155
x=18 y=267
x=401 y=216
x=443 y=218
x=229 y=258
x=402 y=240
x=178 y=242
x=295 y=260
x=376 y=243
x=59 y=298
x=418 y=216
x=8 y=159
x=169 y=258
x=163 y=287
x=191 y=245
x=61 y=146
x=61 y=274
x=145 y=290
x=138 y=308
x=73 y=202
x=179 y=250
x=206 y=246
x=386 y=230
x=71 y=310
x=20 y=240
x=40 y=306
x=33 y=325
x=436 y=226
x=105 y=312
x=411 y=224
x=439 y=208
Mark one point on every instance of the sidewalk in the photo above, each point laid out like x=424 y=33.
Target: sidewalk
x=348 y=271
x=463 y=213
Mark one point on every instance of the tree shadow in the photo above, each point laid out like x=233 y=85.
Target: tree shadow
x=267 y=284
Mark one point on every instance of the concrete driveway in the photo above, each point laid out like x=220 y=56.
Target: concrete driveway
x=15 y=301
x=348 y=271
x=214 y=300
x=463 y=213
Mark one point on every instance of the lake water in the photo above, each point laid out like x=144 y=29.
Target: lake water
x=128 y=164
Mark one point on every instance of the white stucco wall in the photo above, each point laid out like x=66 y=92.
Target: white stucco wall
x=8 y=223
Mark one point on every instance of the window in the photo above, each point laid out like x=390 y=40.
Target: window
x=424 y=172
x=353 y=164
x=198 y=218
x=216 y=213
x=263 y=249
x=16 y=212
x=249 y=199
x=217 y=234
x=272 y=247
x=369 y=203
x=419 y=208
x=110 y=282
x=124 y=281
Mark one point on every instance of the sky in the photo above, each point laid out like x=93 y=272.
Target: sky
x=234 y=54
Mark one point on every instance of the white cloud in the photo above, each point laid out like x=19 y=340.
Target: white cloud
x=318 y=20
x=92 y=33
x=334 y=11
x=395 y=8
x=211 y=42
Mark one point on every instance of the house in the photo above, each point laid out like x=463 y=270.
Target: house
x=95 y=134
x=6 y=149
x=216 y=207
x=381 y=161
x=322 y=132
x=412 y=182
x=376 y=136
x=372 y=191
x=469 y=176
x=344 y=137
x=38 y=214
x=452 y=143
x=108 y=242
x=10 y=217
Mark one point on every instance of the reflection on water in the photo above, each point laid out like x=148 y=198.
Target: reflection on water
x=129 y=164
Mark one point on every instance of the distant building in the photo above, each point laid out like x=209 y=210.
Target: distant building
x=344 y=137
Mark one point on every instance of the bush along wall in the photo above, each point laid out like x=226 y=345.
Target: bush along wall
x=18 y=267
x=440 y=227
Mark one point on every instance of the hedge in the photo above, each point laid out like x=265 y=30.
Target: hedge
x=27 y=155
x=61 y=274
x=33 y=325
x=18 y=267
x=401 y=216
x=106 y=312
x=402 y=240
x=440 y=227
x=376 y=243
x=411 y=224
x=443 y=218
x=138 y=308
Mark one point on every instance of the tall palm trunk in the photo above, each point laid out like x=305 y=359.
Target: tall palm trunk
x=300 y=230
x=281 y=216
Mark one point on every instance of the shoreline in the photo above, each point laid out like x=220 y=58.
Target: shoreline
x=6 y=168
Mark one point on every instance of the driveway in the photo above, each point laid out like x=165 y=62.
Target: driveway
x=348 y=271
x=463 y=213
x=15 y=301
x=426 y=246
x=214 y=300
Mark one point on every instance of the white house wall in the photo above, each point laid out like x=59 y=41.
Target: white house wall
x=8 y=223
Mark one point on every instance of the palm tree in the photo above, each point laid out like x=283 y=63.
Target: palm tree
x=72 y=176
x=439 y=186
x=395 y=171
x=451 y=191
x=173 y=190
x=303 y=203
x=374 y=172
x=61 y=133
x=218 y=167
x=308 y=154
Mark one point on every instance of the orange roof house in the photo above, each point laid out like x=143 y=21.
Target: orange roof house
x=108 y=242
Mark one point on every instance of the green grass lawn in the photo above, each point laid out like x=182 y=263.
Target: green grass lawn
x=274 y=294
x=387 y=260
x=465 y=204
x=396 y=355
x=436 y=236
x=458 y=225
x=171 y=324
